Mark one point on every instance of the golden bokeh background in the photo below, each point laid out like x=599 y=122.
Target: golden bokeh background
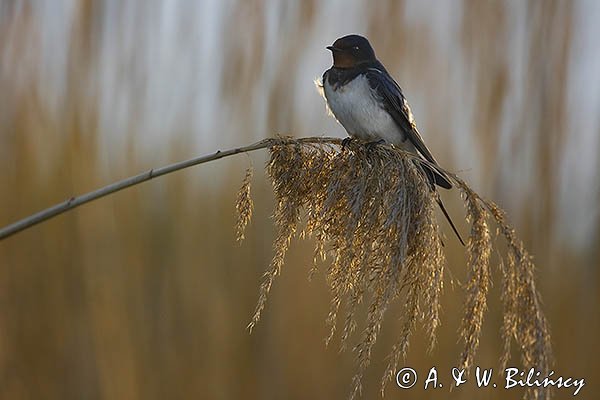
x=146 y=295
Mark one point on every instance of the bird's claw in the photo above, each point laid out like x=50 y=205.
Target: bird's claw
x=346 y=142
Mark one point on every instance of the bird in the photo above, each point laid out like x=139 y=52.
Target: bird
x=370 y=105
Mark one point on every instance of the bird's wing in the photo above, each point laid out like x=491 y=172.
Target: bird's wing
x=396 y=105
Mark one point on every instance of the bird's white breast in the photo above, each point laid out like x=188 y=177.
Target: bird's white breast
x=357 y=108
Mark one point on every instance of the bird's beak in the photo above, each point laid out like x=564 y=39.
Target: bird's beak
x=332 y=48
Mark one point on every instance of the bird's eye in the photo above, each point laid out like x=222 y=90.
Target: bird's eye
x=355 y=48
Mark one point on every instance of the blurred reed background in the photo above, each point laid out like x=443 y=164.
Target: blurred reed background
x=144 y=294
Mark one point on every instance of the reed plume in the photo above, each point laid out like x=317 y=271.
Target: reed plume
x=371 y=213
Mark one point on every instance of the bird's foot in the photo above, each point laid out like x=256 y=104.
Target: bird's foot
x=346 y=142
x=373 y=144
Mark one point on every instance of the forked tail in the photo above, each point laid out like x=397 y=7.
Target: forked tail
x=439 y=201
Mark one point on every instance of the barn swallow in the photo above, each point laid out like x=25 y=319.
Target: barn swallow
x=370 y=105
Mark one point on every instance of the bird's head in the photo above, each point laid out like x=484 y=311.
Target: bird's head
x=350 y=51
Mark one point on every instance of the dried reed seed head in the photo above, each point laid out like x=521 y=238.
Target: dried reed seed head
x=371 y=212
x=479 y=249
x=244 y=205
